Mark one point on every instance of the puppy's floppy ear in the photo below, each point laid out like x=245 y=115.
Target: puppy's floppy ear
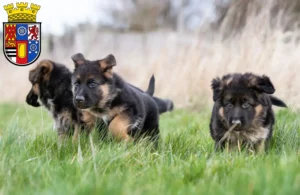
x=263 y=84
x=78 y=59
x=217 y=88
x=107 y=64
x=41 y=72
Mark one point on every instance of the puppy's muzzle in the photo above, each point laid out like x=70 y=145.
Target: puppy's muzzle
x=80 y=102
x=79 y=99
x=32 y=99
x=237 y=123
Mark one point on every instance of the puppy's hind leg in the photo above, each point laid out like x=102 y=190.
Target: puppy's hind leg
x=119 y=128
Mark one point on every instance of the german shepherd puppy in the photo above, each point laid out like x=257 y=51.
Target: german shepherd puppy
x=242 y=113
x=128 y=111
x=51 y=87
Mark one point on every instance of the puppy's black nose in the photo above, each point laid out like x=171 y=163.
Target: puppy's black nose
x=79 y=99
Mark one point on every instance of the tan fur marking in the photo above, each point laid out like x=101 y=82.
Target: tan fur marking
x=252 y=135
x=258 y=110
x=253 y=81
x=105 y=95
x=228 y=81
x=108 y=73
x=221 y=112
x=107 y=116
x=35 y=73
x=116 y=110
x=89 y=120
x=36 y=89
x=63 y=122
x=118 y=127
x=103 y=65
x=49 y=67
x=65 y=117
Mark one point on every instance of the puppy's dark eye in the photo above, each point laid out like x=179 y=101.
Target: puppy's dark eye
x=246 y=105
x=92 y=84
x=229 y=105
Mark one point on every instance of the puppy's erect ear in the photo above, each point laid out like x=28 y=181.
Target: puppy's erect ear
x=107 y=64
x=216 y=86
x=78 y=59
x=262 y=84
x=41 y=72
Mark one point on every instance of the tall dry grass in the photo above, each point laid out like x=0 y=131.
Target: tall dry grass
x=261 y=37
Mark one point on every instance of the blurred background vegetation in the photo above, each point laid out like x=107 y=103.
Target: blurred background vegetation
x=185 y=43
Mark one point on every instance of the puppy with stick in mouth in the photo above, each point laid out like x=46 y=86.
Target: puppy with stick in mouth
x=128 y=111
x=242 y=114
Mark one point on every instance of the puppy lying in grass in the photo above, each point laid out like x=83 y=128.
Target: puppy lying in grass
x=242 y=114
x=128 y=111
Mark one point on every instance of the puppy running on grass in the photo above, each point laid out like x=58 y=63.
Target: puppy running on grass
x=242 y=114
x=128 y=111
x=51 y=88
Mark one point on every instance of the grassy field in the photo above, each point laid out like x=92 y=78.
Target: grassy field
x=185 y=163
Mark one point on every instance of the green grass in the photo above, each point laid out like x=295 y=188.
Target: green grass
x=32 y=163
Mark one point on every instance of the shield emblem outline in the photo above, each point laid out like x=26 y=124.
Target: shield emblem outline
x=39 y=24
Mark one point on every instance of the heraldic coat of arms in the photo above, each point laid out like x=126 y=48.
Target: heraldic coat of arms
x=22 y=34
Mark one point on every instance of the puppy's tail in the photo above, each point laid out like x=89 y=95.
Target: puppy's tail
x=277 y=102
x=151 y=86
x=164 y=105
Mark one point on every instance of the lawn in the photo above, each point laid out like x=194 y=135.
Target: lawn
x=185 y=163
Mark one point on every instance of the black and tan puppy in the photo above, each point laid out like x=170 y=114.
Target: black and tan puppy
x=51 y=87
x=242 y=114
x=128 y=111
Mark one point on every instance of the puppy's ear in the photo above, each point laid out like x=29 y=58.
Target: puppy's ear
x=78 y=59
x=107 y=64
x=262 y=84
x=41 y=72
x=217 y=88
